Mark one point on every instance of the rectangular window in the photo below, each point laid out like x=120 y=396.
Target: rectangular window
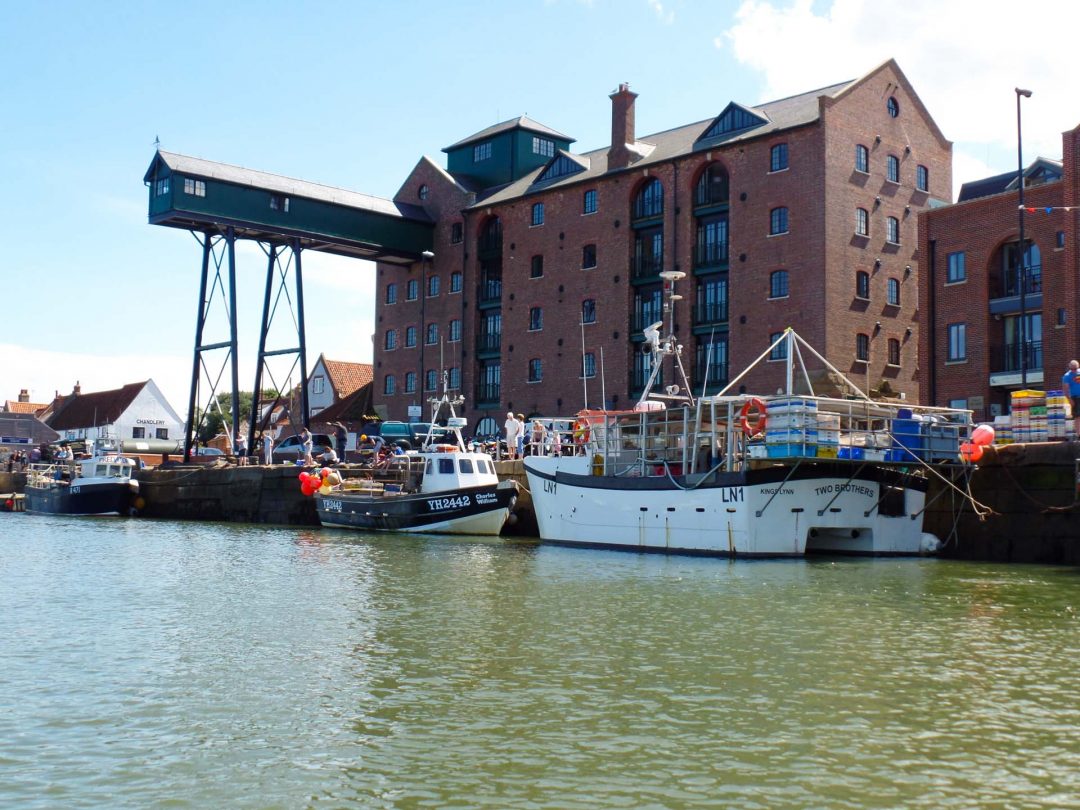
x=432 y=286
x=482 y=151
x=588 y=311
x=892 y=230
x=431 y=336
x=588 y=257
x=892 y=169
x=957 y=270
x=862 y=159
x=778 y=158
x=279 y=202
x=543 y=146
x=1060 y=239
x=161 y=187
x=537 y=214
x=194 y=187
x=455 y=233
x=778 y=221
x=317 y=384
x=588 y=205
x=455 y=282
x=862 y=347
x=894 y=352
x=779 y=351
x=862 y=222
x=138 y=433
x=391 y=293
x=455 y=331
x=536 y=267
x=161 y=433
x=536 y=319
x=922 y=178
x=412 y=290
x=957 y=342
x=536 y=370
x=589 y=365
x=1061 y=318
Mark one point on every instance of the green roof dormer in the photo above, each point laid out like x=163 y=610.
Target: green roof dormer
x=504 y=152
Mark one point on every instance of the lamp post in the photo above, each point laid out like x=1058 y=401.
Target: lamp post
x=425 y=265
x=1020 y=259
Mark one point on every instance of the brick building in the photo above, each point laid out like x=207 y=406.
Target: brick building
x=799 y=212
x=975 y=351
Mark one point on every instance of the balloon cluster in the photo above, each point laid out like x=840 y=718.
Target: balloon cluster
x=981 y=438
x=322 y=482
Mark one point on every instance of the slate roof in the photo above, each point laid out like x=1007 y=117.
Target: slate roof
x=212 y=170
x=347 y=377
x=90 y=410
x=781 y=114
x=1000 y=183
x=26 y=425
x=521 y=122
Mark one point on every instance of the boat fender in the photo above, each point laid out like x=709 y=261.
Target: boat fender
x=581 y=431
x=753 y=404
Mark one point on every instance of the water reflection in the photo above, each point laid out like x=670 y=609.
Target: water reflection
x=145 y=663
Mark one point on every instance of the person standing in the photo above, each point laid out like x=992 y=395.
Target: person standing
x=241 y=450
x=522 y=427
x=341 y=437
x=511 y=426
x=305 y=445
x=268 y=447
x=1070 y=381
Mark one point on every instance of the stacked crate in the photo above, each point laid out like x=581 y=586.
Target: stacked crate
x=1003 y=431
x=1026 y=421
x=1057 y=415
x=828 y=435
x=792 y=428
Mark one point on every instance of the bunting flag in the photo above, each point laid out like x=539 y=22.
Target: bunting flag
x=1049 y=208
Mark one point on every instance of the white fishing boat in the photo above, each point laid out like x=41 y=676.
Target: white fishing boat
x=442 y=488
x=741 y=475
x=99 y=485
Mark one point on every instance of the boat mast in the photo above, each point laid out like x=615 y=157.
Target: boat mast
x=662 y=346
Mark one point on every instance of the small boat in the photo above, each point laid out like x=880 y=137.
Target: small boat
x=442 y=488
x=740 y=475
x=99 y=485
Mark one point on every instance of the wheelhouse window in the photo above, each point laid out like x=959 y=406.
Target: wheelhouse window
x=862 y=284
x=536 y=319
x=892 y=169
x=536 y=370
x=536 y=267
x=862 y=159
x=862 y=222
x=892 y=230
x=588 y=257
x=778 y=157
x=778 y=221
x=922 y=178
x=482 y=151
x=588 y=311
x=589 y=202
x=957 y=270
x=196 y=188
x=391 y=293
x=649 y=201
x=957 y=342
x=894 y=352
x=537 y=214
x=892 y=292
x=862 y=347
x=778 y=284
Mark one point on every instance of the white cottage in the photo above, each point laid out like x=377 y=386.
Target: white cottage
x=136 y=411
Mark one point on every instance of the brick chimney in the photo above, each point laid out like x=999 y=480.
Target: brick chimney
x=77 y=389
x=622 y=128
x=24 y=395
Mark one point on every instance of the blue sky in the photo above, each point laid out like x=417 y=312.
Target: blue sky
x=352 y=94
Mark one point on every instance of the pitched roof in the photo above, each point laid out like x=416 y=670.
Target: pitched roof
x=26 y=425
x=781 y=114
x=14 y=406
x=1006 y=181
x=357 y=407
x=521 y=122
x=347 y=377
x=90 y=410
x=212 y=170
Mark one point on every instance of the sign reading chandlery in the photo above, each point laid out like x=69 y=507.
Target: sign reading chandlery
x=149 y=421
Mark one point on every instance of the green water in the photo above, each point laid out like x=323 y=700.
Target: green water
x=157 y=664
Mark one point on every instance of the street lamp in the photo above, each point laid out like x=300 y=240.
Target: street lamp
x=427 y=256
x=1020 y=260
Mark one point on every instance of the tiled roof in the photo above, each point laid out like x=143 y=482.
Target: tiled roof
x=212 y=170
x=98 y=408
x=781 y=114
x=356 y=408
x=347 y=377
x=521 y=122
x=14 y=406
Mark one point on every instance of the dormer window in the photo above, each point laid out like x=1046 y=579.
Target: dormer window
x=481 y=151
x=543 y=146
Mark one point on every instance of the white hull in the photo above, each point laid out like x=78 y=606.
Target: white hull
x=745 y=519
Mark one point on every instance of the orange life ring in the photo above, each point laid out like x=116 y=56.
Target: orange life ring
x=744 y=416
x=581 y=432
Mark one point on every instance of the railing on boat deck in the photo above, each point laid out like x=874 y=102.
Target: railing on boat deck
x=403 y=472
x=42 y=474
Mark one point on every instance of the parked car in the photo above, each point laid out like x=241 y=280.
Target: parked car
x=406 y=435
x=290 y=448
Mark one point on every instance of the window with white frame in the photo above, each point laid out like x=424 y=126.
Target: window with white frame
x=482 y=151
x=956 y=267
x=537 y=214
x=892 y=230
x=862 y=222
x=543 y=146
x=862 y=159
x=892 y=292
x=957 y=350
x=862 y=347
x=922 y=178
x=778 y=221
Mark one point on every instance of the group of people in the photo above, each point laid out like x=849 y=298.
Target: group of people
x=534 y=438
x=17 y=460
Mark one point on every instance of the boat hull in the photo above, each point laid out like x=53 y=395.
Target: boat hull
x=480 y=510
x=772 y=512
x=105 y=498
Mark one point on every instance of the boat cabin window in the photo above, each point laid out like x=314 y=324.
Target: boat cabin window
x=465 y=466
x=446 y=466
x=484 y=466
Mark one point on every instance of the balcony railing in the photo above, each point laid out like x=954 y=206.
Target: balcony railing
x=647 y=209
x=714 y=312
x=1007 y=358
x=647 y=266
x=1010 y=281
x=491 y=342
x=490 y=291
x=718 y=375
x=711 y=254
x=488 y=393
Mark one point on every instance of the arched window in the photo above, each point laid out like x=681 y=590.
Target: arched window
x=862 y=158
x=391 y=339
x=778 y=221
x=892 y=292
x=892 y=169
x=894 y=352
x=410 y=382
x=778 y=284
x=922 y=178
x=649 y=201
x=410 y=337
x=431 y=380
x=862 y=222
x=862 y=284
x=862 y=347
x=892 y=230
x=778 y=158
x=536 y=370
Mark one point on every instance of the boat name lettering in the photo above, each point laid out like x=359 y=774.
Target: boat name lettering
x=455 y=502
x=485 y=497
x=75 y=490
x=149 y=421
x=549 y=486
x=732 y=495
x=777 y=491
x=858 y=489
x=331 y=506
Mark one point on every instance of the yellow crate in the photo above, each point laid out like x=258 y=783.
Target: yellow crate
x=827 y=451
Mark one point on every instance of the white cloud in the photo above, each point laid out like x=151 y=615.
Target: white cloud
x=665 y=15
x=963 y=59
